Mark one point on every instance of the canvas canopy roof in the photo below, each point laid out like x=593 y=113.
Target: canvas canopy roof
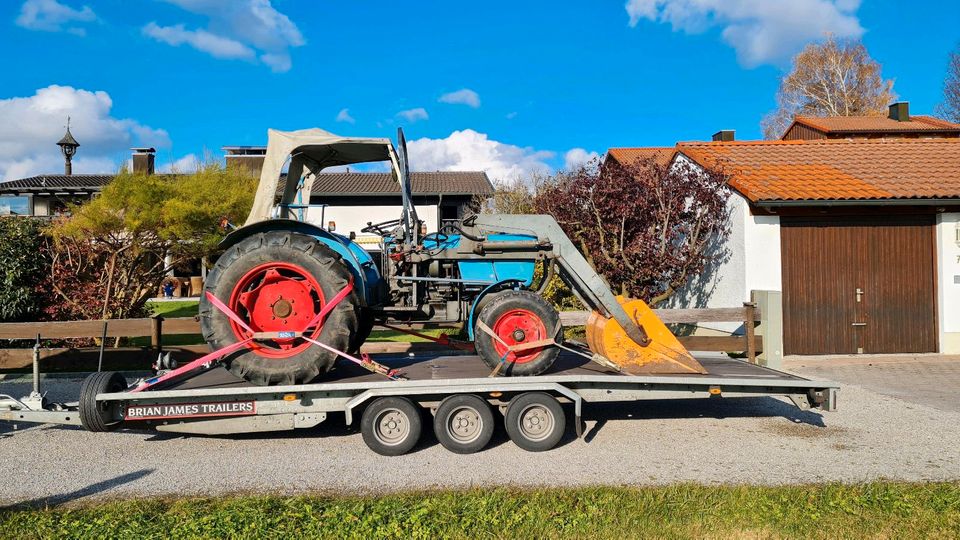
x=309 y=152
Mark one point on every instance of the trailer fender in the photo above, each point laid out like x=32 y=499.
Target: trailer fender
x=359 y=262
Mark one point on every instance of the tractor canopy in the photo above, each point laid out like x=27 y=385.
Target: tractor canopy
x=309 y=151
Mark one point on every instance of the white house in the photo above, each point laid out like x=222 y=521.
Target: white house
x=861 y=236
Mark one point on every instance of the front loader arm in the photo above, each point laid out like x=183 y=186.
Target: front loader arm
x=573 y=268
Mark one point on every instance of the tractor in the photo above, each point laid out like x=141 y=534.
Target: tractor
x=308 y=293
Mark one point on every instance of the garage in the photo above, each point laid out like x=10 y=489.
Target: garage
x=859 y=284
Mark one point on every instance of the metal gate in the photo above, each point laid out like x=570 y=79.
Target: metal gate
x=859 y=284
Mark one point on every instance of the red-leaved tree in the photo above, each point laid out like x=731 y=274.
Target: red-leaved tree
x=646 y=227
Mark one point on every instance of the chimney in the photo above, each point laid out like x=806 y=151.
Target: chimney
x=248 y=157
x=724 y=135
x=143 y=159
x=900 y=111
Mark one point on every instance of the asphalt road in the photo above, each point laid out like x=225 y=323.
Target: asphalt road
x=746 y=440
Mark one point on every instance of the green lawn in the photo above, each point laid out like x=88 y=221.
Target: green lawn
x=174 y=308
x=876 y=510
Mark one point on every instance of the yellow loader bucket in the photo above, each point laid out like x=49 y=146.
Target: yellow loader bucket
x=663 y=355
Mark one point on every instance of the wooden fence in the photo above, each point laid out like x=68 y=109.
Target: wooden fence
x=157 y=327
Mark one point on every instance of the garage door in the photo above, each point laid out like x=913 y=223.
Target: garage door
x=859 y=284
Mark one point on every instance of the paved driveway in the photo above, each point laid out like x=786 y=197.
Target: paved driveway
x=930 y=380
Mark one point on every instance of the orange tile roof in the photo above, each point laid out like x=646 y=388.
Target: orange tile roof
x=660 y=155
x=882 y=124
x=835 y=169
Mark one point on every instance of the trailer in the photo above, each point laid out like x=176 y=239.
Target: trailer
x=457 y=389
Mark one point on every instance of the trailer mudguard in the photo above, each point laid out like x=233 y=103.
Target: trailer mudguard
x=368 y=282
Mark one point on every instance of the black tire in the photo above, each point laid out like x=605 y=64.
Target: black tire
x=463 y=423
x=307 y=253
x=546 y=317
x=364 y=327
x=391 y=426
x=535 y=421
x=105 y=415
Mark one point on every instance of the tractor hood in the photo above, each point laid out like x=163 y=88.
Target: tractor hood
x=310 y=151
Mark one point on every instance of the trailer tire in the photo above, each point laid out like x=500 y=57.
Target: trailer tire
x=304 y=269
x=103 y=416
x=518 y=314
x=391 y=426
x=535 y=421
x=463 y=423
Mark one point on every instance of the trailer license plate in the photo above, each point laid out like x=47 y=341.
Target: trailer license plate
x=190 y=410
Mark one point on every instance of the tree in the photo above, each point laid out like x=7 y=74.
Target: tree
x=950 y=108
x=112 y=254
x=645 y=226
x=833 y=78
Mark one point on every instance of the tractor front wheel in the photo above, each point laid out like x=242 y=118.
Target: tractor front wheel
x=517 y=318
x=279 y=281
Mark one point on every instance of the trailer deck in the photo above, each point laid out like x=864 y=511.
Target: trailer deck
x=215 y=402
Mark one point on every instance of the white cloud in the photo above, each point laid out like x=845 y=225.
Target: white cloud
x=412 y=115
x=187 y=164
x=32 y=125
x=52 y=16
x=577 y=157
x=216 y=46
x=464 y=96
x=761 y=31
x=511 y=115
x=344 y=116
x=244 y=29
x=468 y=150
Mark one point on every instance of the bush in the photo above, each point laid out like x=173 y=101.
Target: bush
x=23 y=269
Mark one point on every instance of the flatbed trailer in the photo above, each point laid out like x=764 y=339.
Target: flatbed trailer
x=457 y=389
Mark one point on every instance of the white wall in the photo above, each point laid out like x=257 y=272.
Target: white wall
x=354 y=218
x=948 y=282
x=749 y=259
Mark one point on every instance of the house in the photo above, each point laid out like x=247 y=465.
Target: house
x=898 y=124
x=861 y=236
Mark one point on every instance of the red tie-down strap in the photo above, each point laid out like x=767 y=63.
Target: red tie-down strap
x=218 y=354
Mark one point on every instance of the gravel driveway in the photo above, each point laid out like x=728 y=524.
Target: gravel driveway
x=745 y=440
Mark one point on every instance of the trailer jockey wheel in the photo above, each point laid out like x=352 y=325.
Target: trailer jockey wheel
x=391 y=426
x=535 y=421
x=463 y=423
x=279 y=281
x=105 y=415
x=518 y=317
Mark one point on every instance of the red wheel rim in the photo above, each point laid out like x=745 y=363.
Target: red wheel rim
x=518 y=326
x=277 y=297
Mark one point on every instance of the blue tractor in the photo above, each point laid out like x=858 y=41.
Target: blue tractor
x=307 y=292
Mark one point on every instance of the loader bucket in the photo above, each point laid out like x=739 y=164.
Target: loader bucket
x=662 y=355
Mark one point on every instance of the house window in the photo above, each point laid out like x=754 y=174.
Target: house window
x=16 y=205
x=449 y=214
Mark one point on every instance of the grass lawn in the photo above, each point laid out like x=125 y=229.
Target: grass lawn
x=876 y=510
x=174 y=308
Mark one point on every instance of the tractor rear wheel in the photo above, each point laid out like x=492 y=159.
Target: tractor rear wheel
x=518 y=317
x=275 y=282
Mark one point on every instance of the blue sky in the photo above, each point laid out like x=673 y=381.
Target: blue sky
x=509 y=87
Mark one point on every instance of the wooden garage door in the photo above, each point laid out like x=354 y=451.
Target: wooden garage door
x=858 y=284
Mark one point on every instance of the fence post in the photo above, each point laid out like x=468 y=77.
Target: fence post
x=770 y=304
x=156 y=333
x=749 y=318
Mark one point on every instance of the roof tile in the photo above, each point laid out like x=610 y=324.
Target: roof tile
x=839 y=169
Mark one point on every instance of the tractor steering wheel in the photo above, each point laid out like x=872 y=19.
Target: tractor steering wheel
x=383 y=228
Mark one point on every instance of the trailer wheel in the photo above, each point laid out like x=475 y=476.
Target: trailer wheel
x=518 y=317
x=279 y=281
x=102 y=416
x=535 y=421
x=463 y=423
x=391 y=426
